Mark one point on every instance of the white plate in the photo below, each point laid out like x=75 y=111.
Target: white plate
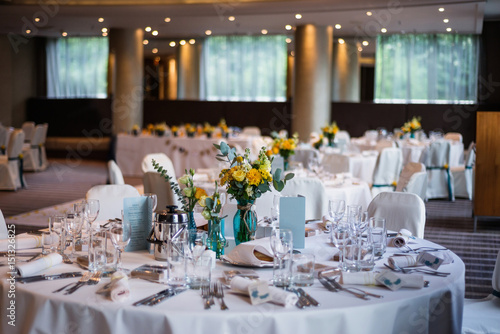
x=226 y=260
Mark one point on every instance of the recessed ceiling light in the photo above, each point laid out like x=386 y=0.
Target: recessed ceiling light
x=172 y=44
x=155 y=33
x=28 y=31
x=167 y=19
x=360 y=49
x=446 y=20
x=264 y=32
x=155 y=50
x=64 y=34
x=448 y=29
x=104 y=34
x=104 y=29
x=208 y=32
x=365 y=43
x=192 y=41
x=145 y=42
x=37 y=19
x=288 y=40
x=341 y=41
x=298 y=16
x=182 y=42
x=101 y=19
x=147 y=29
x=441 y=9
x=231 y=18
x=338 y=26
x=369 y=13
x=288 y=27
x=383 y=30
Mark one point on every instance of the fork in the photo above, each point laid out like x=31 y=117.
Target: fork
x=83 y=281
x=85 y=277
x=205 y=294
x=219 y=293
x=95 y=279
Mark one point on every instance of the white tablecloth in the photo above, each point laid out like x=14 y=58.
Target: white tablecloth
x=185 y=153
x=436 y=309
x=360 y=165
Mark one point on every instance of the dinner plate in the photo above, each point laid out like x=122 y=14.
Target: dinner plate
x=228 y=261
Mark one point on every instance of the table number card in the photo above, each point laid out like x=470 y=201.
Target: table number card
x=293 y=217
x=138 y=212
x=390 y=280
x=429 y=260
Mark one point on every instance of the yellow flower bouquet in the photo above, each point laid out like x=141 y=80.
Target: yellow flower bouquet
x=160 y=129
x=412 y=126
x=329 y=132
x=175 y=130
x=208 y=130
x=190 y=130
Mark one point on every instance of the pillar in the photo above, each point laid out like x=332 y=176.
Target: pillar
x=346 y=71
x=127 y=99
x=188 y=72
x=312 y=89
x=171 y=85
x=289 y=76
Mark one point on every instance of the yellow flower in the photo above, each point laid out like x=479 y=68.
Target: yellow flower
x=394 y=183
x=239 y=175
x=276 y=150
x=287 y=145
x=266 y=175
x=174 y=128
x=202 y=201
x=254 y=177
x=269 y=153
x=199 y=193
x=445 y=166
x=239 y=159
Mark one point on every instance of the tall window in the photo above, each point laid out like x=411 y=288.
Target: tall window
x=77 y=67
x=426 y=68
x=244 y=68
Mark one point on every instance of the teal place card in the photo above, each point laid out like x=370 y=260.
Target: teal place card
x=293 y=217
x=138 y=212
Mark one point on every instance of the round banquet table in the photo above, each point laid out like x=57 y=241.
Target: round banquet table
x=435 y=309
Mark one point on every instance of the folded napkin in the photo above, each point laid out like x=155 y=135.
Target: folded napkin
x=30 y=268
x=278 y=296
x=410 y=260
x=23 y=241
x=252 y=253
x=119 y=290
x=402 y=238
x=370 y=278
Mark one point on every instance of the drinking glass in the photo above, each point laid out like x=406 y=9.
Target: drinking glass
x=303 y=269
x=340 y=233
x=93 y=208
x=282 y=245
x=336 y=209
x=197 y=242
x=176 y=257
x=275 y=210
x=120 y=232
x=56 y=225
x=378 y=235
x=73 y=228
x=153 y=200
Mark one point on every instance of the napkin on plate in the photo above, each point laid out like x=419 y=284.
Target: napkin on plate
x=369 y=278
x=119 y=290
x=252 y=253
x=30 y=268
x=23 y=241
x=278 y=296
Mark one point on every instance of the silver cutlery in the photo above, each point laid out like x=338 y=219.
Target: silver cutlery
x=418 y=270
x=159 y=297
x=205 y=294
x=219 y=293
x=351 y=291
x=85 y=277
x=313 y=301
x=37 y=278
x=303 y=301
x=150 y=298
x=83 y=281
x=327 y=284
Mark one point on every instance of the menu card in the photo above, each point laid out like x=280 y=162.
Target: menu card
x=293 y=217
x=138 y=212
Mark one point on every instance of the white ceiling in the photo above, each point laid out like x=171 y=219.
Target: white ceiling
x=191 y=18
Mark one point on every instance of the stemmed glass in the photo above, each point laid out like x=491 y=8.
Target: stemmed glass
x=275 y=210
x=282 y=245
x=92 y=209
x=121 y=232
x=154 y=200
x=336 y=209
x=340 y=234
x=73 y=227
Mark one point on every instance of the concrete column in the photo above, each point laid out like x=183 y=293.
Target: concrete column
x=188 y=71
x=172 y=79
x=312 y=90
x=346 y=71
x=289 y=76
x=127 y=48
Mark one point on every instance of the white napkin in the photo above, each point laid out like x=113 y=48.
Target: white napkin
x=278 y=296
x=369 y=278
x=402 y=238
x=24 y=241
x=30 y=268
x=119 y=291
x=410 y=260
x=244 y=253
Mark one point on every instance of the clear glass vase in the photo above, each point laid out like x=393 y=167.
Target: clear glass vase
x=244 y=222
x=216 y=241
x=191 y=222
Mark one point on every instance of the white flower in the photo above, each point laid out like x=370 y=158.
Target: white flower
x=206 y=214
x=184 y=179
x=202 y=202
x=249 y=191
x=189 y=192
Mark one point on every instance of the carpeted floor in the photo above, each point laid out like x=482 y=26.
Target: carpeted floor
x=449 y=224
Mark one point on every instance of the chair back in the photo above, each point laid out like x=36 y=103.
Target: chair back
x=400 y=210
x=453 y=136
x=371 y=135
x=38 y=135
x=384 y=143
x=251 y=131
x=45 y=130
x=160 y=158
x=110 y=198
x=156 y=184
x=114 y=173
x=314 y=192
x=437 y=154
x=29 y=129
x=439 y=179
x=417 y=185
x=3 y=227
x=387 y=169
x=336 y=163
x=408 y=170
x=495 y=280
x=470 y=159
x=15 y=143
x=305 y=155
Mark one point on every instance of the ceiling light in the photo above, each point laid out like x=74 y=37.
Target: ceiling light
x=365 y=43
x=338 y=26
x=341 y=41
x=182 y=42
x=64 y=34
x=167 y=19
x=441 y=9
x=104 y=29
x=192 y=41
x=208 y=32
x=37 y=19
x=288 y=40
x=446 y=20
x=231 y=18
x=100 y=19
x=383 y=30
x=298 y=16
x=448 y=29
x=145 y=42
x=155 y=33
x=264 y=32
x=172 y=44
x=147 y=29
x=292 y=53
x=104 y=34
x=155 y=50
x=360 y=48
x=369 y=13
x=288 y=27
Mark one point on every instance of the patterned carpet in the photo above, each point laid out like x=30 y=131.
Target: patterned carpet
x=449 y=224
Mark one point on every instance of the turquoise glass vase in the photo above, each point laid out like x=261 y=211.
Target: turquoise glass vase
x=216 y=241
x=244 y=222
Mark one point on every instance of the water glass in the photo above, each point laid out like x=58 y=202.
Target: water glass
x=282 y=246
x=56 y=225
x=366 y=256
x=303 y=269
x=351 y=255
x=198 y=271
x=340 y=233
x=378 y=235
x=50 y=241
x=176 y=257
x=97 y=250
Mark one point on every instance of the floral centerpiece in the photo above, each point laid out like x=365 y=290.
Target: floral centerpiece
x=175 y=130
x=190 y=130
x=188 y=195
x=246 y=181
x=284 y=146
x=160 y=129
x=329 y=132
x=208 y=130
x=412 y=126
x=150 y=128
x=136 y=129
x=317 y=144
x=212 y=206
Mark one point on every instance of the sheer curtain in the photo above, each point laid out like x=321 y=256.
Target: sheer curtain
x=425 y=68
x=77 y=67
x=244 y=68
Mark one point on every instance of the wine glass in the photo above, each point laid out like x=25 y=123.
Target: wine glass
x=121 y=232
x=93 y=208
x=275 y=210
x=336 y=209
x=282 y=245
x=73 y=228
x=152 y=202
x=340 y=234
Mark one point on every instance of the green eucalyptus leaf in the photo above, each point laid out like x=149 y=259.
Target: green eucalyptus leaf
x=289 y=176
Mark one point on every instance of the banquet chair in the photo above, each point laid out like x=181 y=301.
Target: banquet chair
x=371 y=135
x=3 y=227
x=28 y=129
x=314 y=192
x=11 y=164
x=115 y=175
x=483 y=315
x=110 y=198
x=251 y=131
x=384 y=143
x=436 y=159
x=336 y=163
x=413 y=179
x=305 y=156
x=160 y=158
x=463 y=176
x=400 y=210
x=155 y=183
x=387 y=169
x=453 y=136
x=32 y=152
x=5 y=133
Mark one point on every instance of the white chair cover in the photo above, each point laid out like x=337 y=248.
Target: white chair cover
x=251 y=131
x=408 y=170
x=343 y=136
x=110 y=198
x=371 y=135
x=304 y=155
x=453 y=136
x=400 y=210
x=28 y=129
x=384 y=143
x=314 y=192
x=463 y=176
x=10 y=164
x=439 y=178
x=336 y=163
x=387 y=170
x=483 y=315
x=156 y=184
x=413 y=179
x=3 y=227
x=114 y=173
x=4 y=138
x=32 y=152
x=160 y=158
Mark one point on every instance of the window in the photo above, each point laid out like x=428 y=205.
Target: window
x=244 y=68
x=77 y=67
x=424 y=68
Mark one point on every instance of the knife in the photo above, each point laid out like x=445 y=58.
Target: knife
x=30 y=279
x=150 y=298
x=165 y=296
x=308 y=297
x=341 y=288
